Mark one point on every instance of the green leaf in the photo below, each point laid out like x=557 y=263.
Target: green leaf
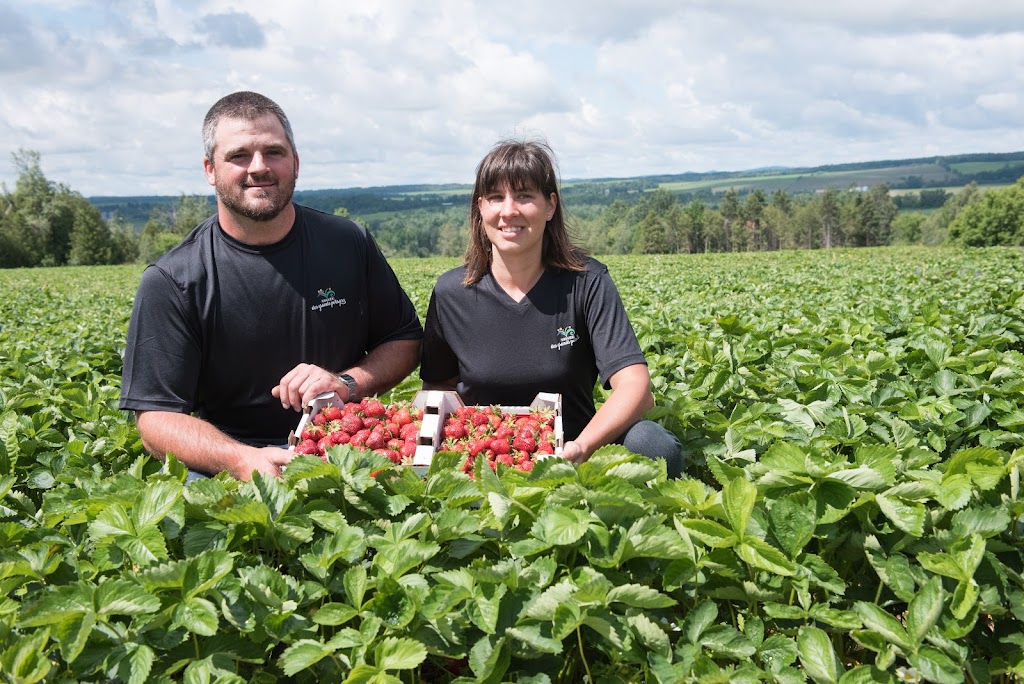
x=25 y=660
x=936 y=666
x=877 y=620
x=334 y=614
x=155 y=502
x=639 y=596
x=817 y=656
x=905 y=515
x=72 y=635
x=301 y=655
x=738 y=498
x=710 y=533
x=204 y=571
x=124 y=597
x=924 y=611
x=355 y=585
x=763 y=556
x=793 y=520
x=650 y=634
x=561 y=526
x=197 y=615
x=489 y=658
x=399 y=654
x=142 y=659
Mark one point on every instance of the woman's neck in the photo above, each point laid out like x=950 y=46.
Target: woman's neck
x=516 y=276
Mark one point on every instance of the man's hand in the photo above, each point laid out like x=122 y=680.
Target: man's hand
x=304 y=382
x=268 y=460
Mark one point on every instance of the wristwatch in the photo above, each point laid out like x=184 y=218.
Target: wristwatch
x=350 y=382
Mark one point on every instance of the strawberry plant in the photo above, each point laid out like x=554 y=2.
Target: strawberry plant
x=851 y=510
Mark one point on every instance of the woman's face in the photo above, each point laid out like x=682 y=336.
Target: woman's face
x=514 y=220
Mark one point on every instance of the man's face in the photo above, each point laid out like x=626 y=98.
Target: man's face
x=253 y=168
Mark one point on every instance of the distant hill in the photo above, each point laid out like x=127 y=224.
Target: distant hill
x=899 y=174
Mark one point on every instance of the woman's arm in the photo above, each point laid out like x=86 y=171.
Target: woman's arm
x=629 y=401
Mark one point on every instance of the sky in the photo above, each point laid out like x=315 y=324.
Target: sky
x=112 y=93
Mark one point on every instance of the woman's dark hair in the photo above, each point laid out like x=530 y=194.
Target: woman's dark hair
x=519 y=165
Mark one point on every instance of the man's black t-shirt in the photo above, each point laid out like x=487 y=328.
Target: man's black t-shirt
x=217 y=323
x=569 y=329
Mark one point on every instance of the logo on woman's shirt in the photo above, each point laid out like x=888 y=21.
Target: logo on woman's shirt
x=566 y=337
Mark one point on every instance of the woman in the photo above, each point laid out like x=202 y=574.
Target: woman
x=529 y=312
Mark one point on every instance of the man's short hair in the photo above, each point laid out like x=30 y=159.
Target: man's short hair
x=245 y=105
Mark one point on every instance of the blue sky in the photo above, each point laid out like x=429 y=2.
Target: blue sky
x=112 y=93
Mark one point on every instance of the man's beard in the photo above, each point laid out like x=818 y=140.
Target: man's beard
x=275 y=199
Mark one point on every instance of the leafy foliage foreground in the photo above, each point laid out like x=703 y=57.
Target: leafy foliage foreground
x=854 y=428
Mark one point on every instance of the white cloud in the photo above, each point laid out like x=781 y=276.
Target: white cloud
x=112 y=94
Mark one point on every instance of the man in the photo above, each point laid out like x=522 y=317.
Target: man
x=259 y=309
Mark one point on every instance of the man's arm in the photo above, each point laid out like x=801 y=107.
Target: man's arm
x=384 y=367
x=202 y=447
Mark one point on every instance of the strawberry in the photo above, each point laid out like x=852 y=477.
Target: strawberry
x=402 y=416
x=307 y=446
x=339 y=437
x=525 y=466
x=525 y=441
x=454 y=429
x=320 y=419
x=395 y=443
x=351 y=423
x=359 y=439
x=370 y=422
x=313 y=432
x=374 y=408
x=500 y=446
x=480 y=419
x=409 y=432
x=407 y=451
x=505 y=459
x=375 y=440
x=332 y=412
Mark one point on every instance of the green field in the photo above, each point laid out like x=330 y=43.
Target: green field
x=854 y=426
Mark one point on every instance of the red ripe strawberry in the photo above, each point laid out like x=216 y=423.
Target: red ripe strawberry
x=495 y=420
x=324 y=442
x=522 y=457
x=351 y=423
x=408 y=450
x=545 y=448
x=340 y=437
x=374 y=408
x=527 y=422
x=525 y=441
x=505 y=431
x=313 y=432
x=370 y=422
x=506 y=459
x=375 y=440
x=454 y=429
x=481 y=430
x=543 y=416
x=525 y=466
x=395 y=443
x=409 y=432
x=476 y=446
x=359 y=439
x=500 y=446
x=332 y=412
x=402 y=416
x=307 y=446
x=391 y=427
x=320 y=419
x=480 y=419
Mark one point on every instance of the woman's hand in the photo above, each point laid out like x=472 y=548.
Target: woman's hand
x=574 y=453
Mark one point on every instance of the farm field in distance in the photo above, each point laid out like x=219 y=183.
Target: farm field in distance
x=854 y=424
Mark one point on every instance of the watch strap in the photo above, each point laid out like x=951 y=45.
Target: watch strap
x=350 y=382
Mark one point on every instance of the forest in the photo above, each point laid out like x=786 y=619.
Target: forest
x=966 y=200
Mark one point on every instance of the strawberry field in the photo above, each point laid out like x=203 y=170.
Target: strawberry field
x=854 y=427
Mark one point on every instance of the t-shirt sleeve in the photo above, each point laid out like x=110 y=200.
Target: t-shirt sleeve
x=438 y=362
x=614 y=341
x=162 y=353
x=392 y=314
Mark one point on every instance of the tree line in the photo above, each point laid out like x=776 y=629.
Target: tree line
x=45 y=223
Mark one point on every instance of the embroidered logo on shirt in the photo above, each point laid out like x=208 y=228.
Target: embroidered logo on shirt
x=566 y=337
x=326 y=299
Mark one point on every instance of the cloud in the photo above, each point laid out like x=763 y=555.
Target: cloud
x=112 y=95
